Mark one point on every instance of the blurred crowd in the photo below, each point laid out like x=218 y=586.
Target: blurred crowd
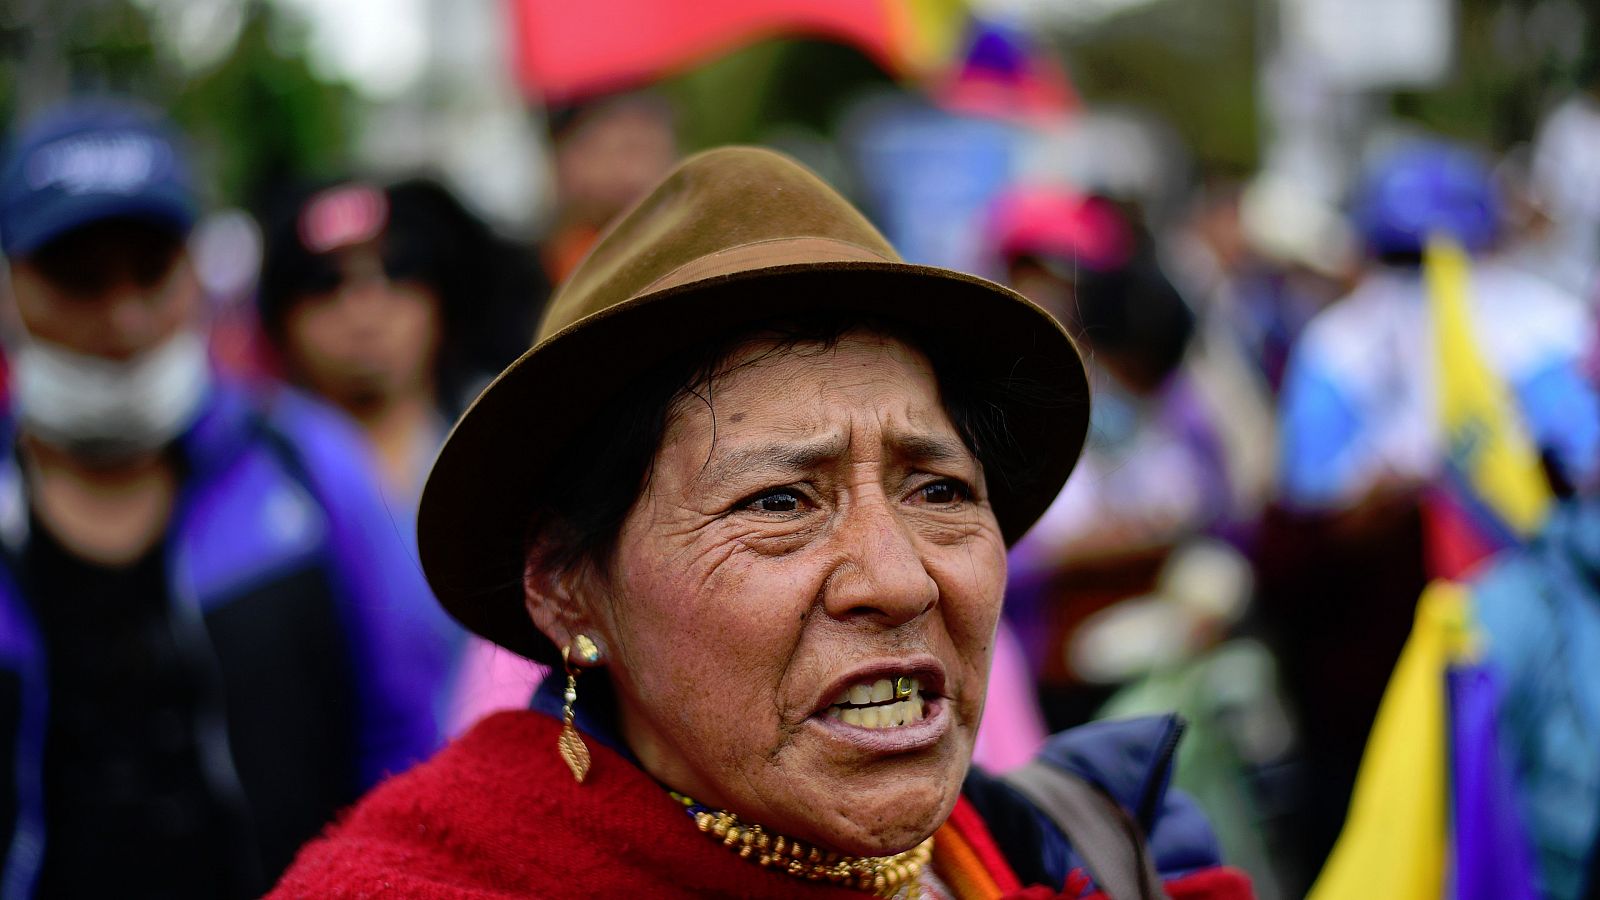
x=214 y=633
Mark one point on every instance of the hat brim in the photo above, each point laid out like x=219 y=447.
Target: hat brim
x=478 y=500
x=66 y=214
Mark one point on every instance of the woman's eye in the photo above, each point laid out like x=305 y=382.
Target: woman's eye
x=775 y=502
x=944 y=493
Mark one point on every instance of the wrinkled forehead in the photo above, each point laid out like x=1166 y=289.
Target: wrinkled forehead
x=770 y=361
x=772 y=387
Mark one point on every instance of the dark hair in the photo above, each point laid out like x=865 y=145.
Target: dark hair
x=599 y=474
x=1136 y=313
x=490 y=293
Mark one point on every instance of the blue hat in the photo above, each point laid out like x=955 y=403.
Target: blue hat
x=86 y=162
x=1425 y=188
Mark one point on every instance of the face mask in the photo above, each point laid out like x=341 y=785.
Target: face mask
x=105 y=411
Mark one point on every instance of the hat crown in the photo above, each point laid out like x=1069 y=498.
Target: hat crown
x=713 y=202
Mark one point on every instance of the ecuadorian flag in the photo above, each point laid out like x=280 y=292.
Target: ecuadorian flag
x=1494 y=493
x=1432 y=814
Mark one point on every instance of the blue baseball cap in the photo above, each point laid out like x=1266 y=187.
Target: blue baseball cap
x=88 y=161
x=1424 y=188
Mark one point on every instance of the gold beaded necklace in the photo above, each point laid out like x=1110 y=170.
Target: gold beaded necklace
x=884 y=876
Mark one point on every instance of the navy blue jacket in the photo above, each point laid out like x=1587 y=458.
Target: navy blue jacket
x=1131 y=761
x=286 y=572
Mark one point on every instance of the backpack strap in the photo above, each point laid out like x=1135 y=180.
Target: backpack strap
x=1102 y=833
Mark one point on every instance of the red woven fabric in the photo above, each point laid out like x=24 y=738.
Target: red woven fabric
x=965 y=819
x=1218 y=883
x=497 y=814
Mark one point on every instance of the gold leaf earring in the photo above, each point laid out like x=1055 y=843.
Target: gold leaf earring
x=571 y=746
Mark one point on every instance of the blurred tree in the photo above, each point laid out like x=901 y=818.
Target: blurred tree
x=1513 y=58
x=257 y=115
x=55 y=47
x=741 y=96
x=1193 y=62
x=263 y=116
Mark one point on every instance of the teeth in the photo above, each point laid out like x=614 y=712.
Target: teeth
x=884 y=703
x=868 y=693
x=889 y=715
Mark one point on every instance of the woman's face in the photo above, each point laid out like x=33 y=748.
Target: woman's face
x=813 y=531
x=367 y=342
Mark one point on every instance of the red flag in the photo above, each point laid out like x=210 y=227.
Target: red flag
x=568 y=49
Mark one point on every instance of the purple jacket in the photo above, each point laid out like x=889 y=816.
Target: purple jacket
x=322 y=643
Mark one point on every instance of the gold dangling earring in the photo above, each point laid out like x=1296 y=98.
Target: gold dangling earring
x=570 y=744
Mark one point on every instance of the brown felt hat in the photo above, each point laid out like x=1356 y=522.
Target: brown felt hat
x=731 y=238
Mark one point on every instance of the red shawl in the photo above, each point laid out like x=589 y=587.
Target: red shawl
x=497 y=814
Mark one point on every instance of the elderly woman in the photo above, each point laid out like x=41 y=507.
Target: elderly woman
x=753 y=489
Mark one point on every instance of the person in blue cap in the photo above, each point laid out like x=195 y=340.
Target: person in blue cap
x=1364 y=479
x=211 y=636
x=1359 y=416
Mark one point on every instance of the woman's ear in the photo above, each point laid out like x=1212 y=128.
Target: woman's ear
x=555 y=602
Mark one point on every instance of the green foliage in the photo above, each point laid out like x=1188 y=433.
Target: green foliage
x=82 y=46
x=256 y=117
x=1193 y=62
x=263 y=116
x=741 y=96
x=110 y=46
x=1505 y=74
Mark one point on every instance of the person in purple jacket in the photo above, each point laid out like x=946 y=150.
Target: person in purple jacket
x=211 y=636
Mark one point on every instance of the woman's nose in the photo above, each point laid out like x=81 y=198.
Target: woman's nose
x=881 y=573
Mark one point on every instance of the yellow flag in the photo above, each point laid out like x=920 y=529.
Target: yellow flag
x=1394 y=839
x=1484 y=436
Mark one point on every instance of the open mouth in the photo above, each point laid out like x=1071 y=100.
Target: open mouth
x=881 y=703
